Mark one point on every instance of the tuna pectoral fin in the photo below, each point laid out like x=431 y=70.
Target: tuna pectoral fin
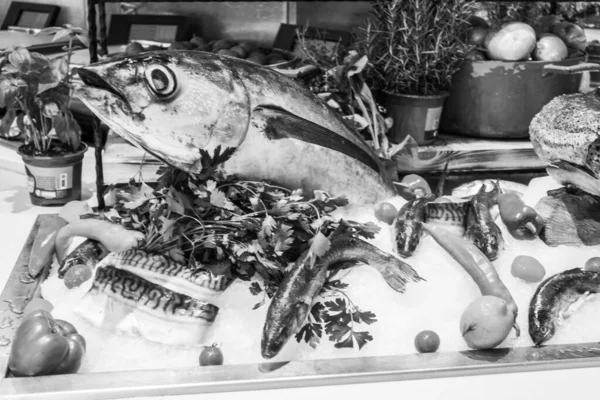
x=280 y=124
x=397 y=274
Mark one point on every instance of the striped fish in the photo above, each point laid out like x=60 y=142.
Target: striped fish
x=135 y=291
x=163 y=271
x=173 y=103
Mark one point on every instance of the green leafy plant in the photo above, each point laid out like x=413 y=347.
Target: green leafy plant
x=253 y=231
x=414 y=46
x=35 y=92
x=530 y=11
x=340 y=83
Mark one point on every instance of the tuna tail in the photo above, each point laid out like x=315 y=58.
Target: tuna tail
x=397 y=274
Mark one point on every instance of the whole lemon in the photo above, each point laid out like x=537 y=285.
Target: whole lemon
x=486 y=322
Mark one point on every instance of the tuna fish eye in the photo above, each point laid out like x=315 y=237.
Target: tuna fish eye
x=161 y=81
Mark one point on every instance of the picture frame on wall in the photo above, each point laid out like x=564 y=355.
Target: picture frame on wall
x=124 y=28
x=30 y=15
x=287 y=37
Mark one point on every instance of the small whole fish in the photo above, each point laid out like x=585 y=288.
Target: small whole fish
x=481 y=229
x=174 y=103
x=409 y=225
x=553 y=298
x=448 y=212
x=89 y=252
x=299 y=287
x=167 y=273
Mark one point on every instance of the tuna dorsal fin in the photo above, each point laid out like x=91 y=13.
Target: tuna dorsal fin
x=280 y=124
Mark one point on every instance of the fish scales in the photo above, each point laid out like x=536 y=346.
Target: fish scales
x=138 y=261
x=89 y=252
x=296 y=292
x=409 y=225
x=481 y=229
x=172 y=103
x=127 y=287
x=554 y=296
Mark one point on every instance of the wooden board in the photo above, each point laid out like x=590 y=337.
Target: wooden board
x=471 y=154
x=343 y=371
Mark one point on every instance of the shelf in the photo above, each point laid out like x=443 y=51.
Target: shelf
x=471 y=154
x=122 y=160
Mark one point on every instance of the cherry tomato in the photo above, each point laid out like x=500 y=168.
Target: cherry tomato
x=527 y=268
x=211 y=355
x=76 y=275
x=37 y=303
x=386 y=212
x=593 y=264
x=427 y=342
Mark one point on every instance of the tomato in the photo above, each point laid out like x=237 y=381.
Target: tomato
x=427 y=342
x=527 y=268
x=593 y=264
x=211 y=355
x=35 y=304
x=76 y=275
x=386 y=212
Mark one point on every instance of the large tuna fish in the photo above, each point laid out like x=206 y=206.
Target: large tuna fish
x=173 y=103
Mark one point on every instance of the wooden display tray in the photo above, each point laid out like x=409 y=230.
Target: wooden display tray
x=245 y=377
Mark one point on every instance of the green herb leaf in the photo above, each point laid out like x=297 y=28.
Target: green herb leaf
x=311 y=334
x=364 y=316
x=282 y=238
x=335 y=284
x=320 y=245
x=316 y=311
x=255 y=288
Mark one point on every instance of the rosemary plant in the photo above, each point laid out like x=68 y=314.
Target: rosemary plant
x=530 y=11
x=414 y=46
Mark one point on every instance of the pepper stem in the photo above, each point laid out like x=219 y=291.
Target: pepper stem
x=531 y=227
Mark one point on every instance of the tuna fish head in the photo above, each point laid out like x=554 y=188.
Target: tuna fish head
x=169 y=103
x=277 y=331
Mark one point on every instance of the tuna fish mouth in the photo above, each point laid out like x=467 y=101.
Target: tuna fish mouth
x=94 y=80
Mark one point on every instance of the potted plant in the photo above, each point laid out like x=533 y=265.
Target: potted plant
x=414 y=47
x=35 y=93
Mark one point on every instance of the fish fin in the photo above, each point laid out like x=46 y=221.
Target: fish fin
x=569 y=166
x=567 y=173
x=397 y=274
x=302 y=309
x=280 y=124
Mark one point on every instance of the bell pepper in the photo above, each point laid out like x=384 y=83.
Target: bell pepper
x=45 y=346
x=416 y=184
x=522 y=221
